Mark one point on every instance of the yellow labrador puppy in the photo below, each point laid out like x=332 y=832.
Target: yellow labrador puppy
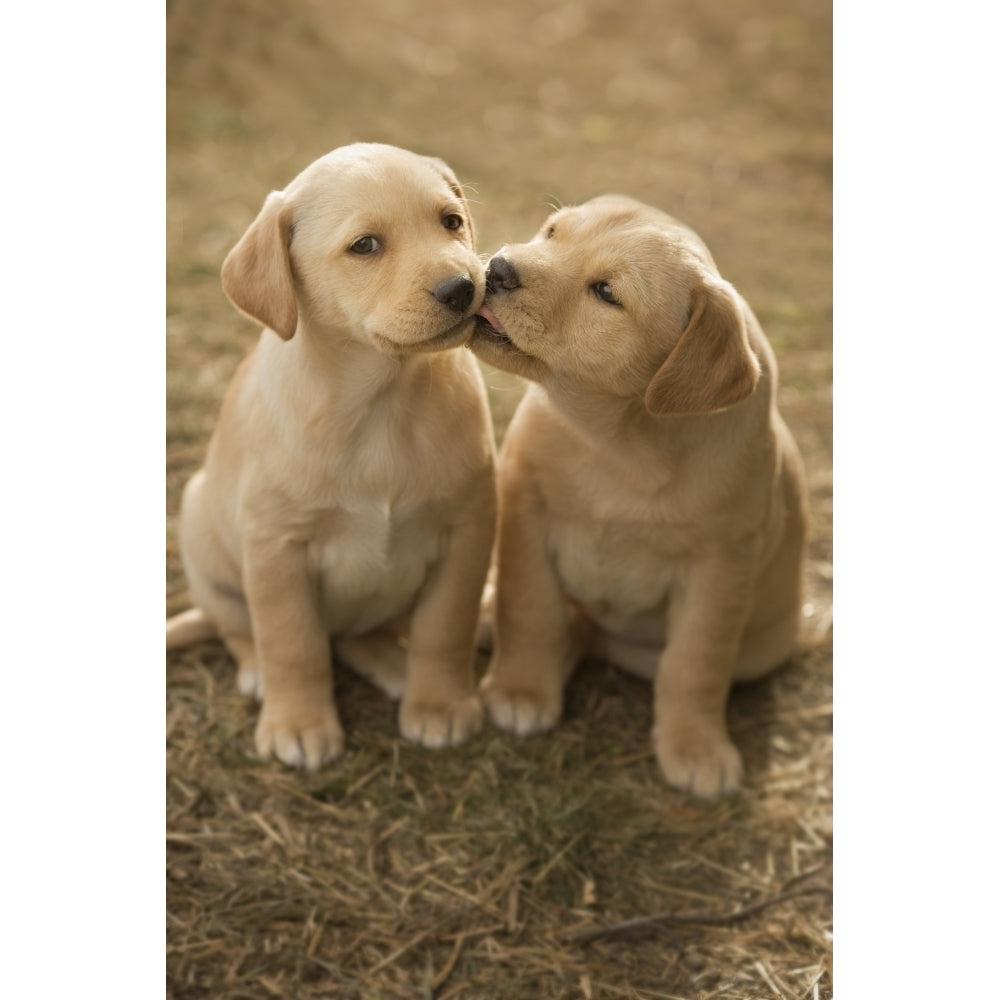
x=651 y=498
x=348 y=489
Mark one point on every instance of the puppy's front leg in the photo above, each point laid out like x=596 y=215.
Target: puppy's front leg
x=706 y=619
x=440 y=706
x=534 y=648
x=298 y=720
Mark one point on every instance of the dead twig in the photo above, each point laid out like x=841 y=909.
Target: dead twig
x=704 y=919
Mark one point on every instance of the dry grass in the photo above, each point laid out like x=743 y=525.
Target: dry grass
x=478 y=872
x=401 y=873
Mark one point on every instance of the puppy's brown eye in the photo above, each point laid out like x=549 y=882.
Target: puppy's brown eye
x=453 y=222
x=366 y=245
x=550 y=232
x=603 y=291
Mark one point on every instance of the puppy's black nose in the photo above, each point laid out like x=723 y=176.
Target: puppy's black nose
x=456 y=293
x=502 y=276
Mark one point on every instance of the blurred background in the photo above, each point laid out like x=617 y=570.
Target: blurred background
x=718 y=112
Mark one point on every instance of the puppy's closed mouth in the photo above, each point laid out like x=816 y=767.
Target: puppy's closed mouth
x=457 y=334
x=454 y=336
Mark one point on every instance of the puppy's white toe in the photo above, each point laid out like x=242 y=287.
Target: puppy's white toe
x=521 y=712
x=250 y=682
x=442 y=725
x=707 y=767
x=309 y=740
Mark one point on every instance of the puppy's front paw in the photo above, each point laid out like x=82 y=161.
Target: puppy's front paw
x=440 y=724
x=521 y=710
x=698 y=759
x=304 y=735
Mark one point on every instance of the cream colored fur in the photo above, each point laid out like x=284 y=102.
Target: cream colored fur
x=651 y=498
x=348 y=490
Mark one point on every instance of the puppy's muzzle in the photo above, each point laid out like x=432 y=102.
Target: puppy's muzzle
x=501 y=276
x=456 y=293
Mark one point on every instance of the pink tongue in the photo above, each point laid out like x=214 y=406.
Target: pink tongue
x=490 y=318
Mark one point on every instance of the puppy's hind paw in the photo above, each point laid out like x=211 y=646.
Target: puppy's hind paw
x=249 y=681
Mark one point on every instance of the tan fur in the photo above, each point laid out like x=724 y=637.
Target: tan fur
x=652 y=504
x=348 y=488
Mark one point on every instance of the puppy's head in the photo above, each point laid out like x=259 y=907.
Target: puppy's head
x=616 y=298
x=370 y=242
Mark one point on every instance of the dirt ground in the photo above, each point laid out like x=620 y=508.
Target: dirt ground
x=478 y=872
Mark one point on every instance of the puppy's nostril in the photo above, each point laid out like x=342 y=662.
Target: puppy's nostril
x=456 y=293
x=502 y=276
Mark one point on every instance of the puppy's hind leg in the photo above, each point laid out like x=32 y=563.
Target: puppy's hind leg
x=194 y=625
x=767 y=648
x=487 y=612
x=379 y=657
x=249 y=681
x=215 y=585
x=634 y=658
x=234 y=631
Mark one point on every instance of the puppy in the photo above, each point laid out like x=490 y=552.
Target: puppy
x=652 y=505
x=348 y=489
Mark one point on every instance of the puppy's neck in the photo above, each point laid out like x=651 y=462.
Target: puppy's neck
x=599 y=415
x=330 y=376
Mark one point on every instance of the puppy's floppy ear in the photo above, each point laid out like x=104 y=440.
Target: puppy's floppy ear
x=452 y=182
x=711 y=367
x=257 y=274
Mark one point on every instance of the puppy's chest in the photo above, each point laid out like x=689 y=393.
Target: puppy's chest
x=617 y=546
x=370 y=560
x=613 y=567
